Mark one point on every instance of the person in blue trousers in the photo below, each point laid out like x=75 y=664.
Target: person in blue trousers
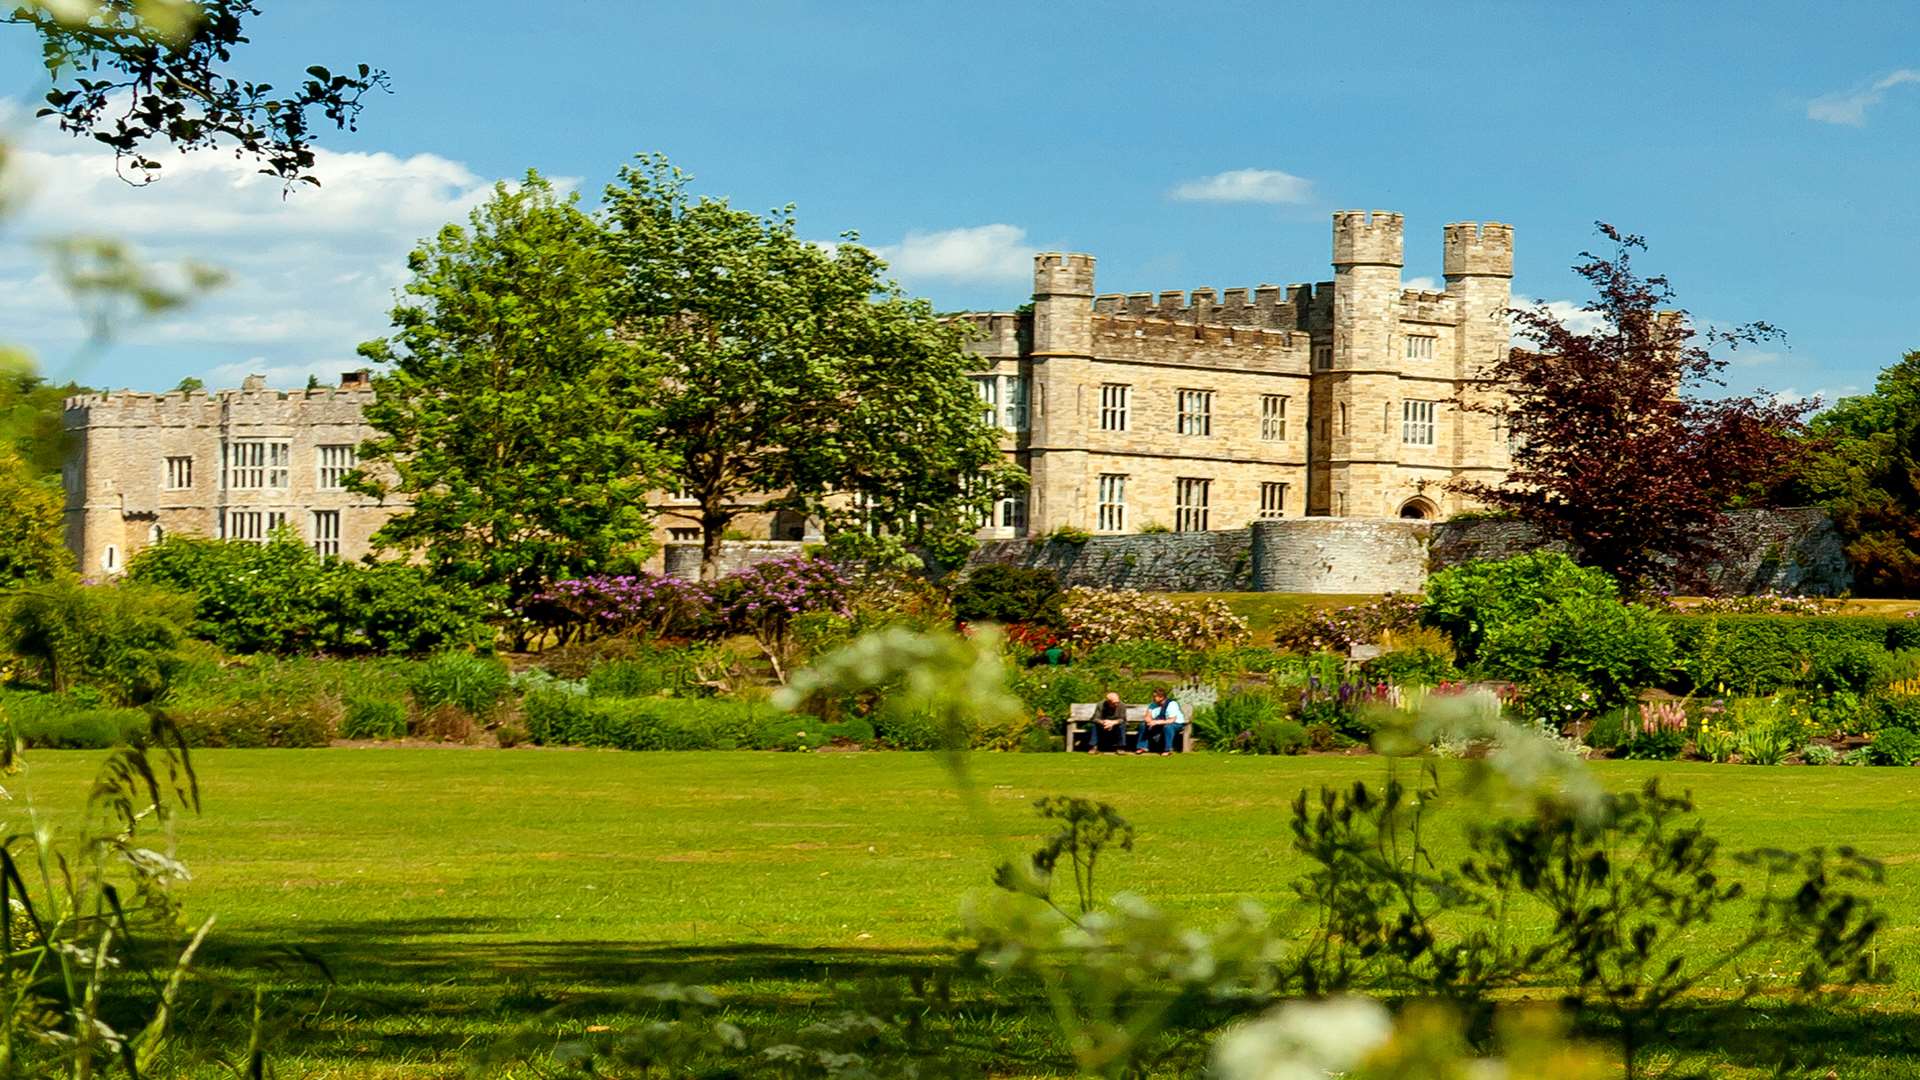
x=1163 y=727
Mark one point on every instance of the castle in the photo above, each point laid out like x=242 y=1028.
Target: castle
x=1130 y=412
x=1135 y=412
x=236 y=464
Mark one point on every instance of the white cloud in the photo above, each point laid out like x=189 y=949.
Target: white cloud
x=1422 y=284
x=1823 y=398
x=1571 y=314
x=309 y=274
x=979 y=253
x=1246 y=186
x=1851 y=108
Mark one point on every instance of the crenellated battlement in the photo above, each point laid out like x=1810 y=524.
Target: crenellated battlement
x=1361 y=238
x=1061 y=273
x=1265 y=306
x=997 y=333
x=129 y=408
x=1475 y=248
x=1152 y=339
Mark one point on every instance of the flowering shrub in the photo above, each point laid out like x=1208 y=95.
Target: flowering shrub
x=1097 y=617
x=1768 y=603
x=1339 y=629
x=648 y=605
x=763 y=600
x=1661 y=734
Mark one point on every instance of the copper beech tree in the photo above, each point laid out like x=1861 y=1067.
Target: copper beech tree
x=1619 y=449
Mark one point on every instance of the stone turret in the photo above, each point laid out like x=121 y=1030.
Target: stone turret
x=1360 y=239
x=1473 y=249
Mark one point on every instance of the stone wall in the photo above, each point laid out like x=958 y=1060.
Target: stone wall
x=1339 y=555
x=1796 y=551
x=1155 y=562
x=683 y=560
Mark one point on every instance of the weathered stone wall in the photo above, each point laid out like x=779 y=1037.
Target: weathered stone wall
x=1340 y=555
x=1794 y=551
x=1155 y=562
x=683 y=560
x=1797 y=551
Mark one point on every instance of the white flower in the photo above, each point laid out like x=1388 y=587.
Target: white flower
x=1303 y=1040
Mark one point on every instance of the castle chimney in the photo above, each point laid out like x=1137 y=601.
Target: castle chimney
x=356 y=380
x=254 y=382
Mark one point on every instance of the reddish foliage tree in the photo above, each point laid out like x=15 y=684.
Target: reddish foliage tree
x=1612 y=453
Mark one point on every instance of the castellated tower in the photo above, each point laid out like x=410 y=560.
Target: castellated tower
x=1206 y=409
x=1478 y=264
x=1356 y=433
x=1056 y=380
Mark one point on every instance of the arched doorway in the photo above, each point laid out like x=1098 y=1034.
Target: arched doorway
x=1418 y=509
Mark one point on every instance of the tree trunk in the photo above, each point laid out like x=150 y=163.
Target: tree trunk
x=713 y=526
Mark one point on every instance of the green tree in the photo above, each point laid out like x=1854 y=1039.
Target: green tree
x=133 y=74
x=32 y=544
x=798 y=372
x=1865 y=469
x=31 y=415
x=511 y=415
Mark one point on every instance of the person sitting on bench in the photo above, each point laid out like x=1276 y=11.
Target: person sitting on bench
x=1164 y=722
x=1109 y=725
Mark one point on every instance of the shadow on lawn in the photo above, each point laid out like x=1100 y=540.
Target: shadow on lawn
x=446 y=988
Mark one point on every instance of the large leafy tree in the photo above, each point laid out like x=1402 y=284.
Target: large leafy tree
x=512 y=415
x=31 y=411
x=797 y=371
x=136 y=74
x=32 y=544
x=1616 y=450
x=1863 y=465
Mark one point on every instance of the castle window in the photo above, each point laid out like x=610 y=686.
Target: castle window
x=179 y=473
x=987 y=388
x=1113 y=502
x=155 y=533
x=335 y=463
x=1013 y=512
x=1323 y=358
x=252 y=464
x=1273 y=417
x=1416 y=423
x=1420 y=346
x=1273 y=499
x=1113 y=406
x=1196 y=412
x=70 y=477
x=1003 y=401
x=683 y=535
x=1340 y=504
x=1190 y=504
x=110 y=558
x=326 y=532
x=1343 y=418
x=1016 y=412
x=255 y=526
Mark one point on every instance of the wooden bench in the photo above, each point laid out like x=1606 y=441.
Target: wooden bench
x=1080 y=718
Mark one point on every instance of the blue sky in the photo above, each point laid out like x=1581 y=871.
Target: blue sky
x=1768 y=152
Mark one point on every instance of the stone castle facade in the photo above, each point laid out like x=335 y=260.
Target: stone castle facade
x=1130 y=412
x=233 y=463
x=1210 y=411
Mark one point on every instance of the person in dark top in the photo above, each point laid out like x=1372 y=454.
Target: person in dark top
x=1109 y=725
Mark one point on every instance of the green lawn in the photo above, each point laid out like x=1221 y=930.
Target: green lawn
x=463 y=896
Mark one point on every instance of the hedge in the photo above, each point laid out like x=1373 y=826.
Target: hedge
x=558 y=718
x=1764 y=653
